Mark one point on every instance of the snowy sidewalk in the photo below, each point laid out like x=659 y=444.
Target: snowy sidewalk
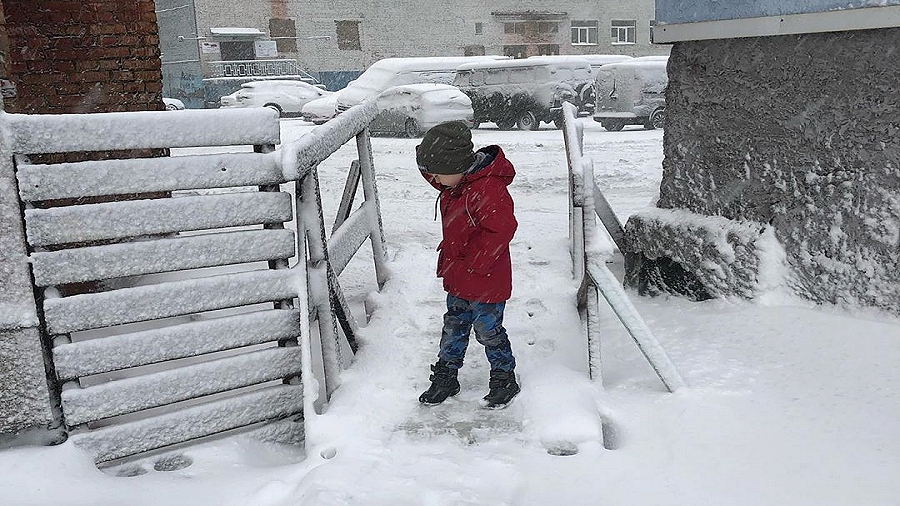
x=787 y=404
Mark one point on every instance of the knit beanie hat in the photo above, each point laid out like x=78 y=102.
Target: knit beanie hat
x=446 y=149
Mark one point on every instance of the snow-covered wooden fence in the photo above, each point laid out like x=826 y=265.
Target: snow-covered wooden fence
x=169 y=320
x=589 y=262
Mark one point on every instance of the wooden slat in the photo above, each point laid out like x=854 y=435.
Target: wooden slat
x=191 y=423
x=122 y=351
x=117 y=220
x=53 y=133
x=347 y=239
x=142 y=303
x=189 y=382
x=141 y=175
x=163 y=255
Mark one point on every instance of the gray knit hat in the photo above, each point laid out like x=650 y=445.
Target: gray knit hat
x=446 y=149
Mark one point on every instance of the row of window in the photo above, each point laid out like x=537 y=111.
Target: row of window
x=583 y=32
x=622 y=31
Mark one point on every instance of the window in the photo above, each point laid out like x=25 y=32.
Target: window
x=623 y=31
x=548 y=49
x=585 y=32
x=548 y=27
x=514 y=51
x=474 y=50
x=284 y=31
x=348 y=35
x=479 y=28
x=516 y=27
x=237 y=50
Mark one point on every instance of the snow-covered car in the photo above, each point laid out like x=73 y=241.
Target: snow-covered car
x=631 y=92
x=523 y=92
x=173 y=104
x=285 y=96
x=390 y=72
x=411 y=109
x=320 y=110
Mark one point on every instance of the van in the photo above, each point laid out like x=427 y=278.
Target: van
x=631 y=93
x=390 y=72
x=586 y=97
x=522 y=92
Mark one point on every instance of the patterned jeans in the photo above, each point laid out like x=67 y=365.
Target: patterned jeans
x=487 y=319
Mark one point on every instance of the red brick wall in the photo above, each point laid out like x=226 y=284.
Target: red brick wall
x=83 y=56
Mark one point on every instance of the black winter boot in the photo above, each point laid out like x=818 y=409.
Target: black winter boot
x=443 y=384
x=503 y=388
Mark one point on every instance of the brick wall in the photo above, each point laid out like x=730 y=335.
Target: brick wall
x=83 y=56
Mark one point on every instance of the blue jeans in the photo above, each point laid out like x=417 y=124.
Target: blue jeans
x=487 y=319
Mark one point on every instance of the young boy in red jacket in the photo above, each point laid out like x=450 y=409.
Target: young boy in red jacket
x=477 y=223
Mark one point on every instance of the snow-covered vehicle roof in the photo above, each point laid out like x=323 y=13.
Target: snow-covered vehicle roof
x=532 y=61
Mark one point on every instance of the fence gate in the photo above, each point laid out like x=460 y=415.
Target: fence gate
x=589 y=264
x=169 y=316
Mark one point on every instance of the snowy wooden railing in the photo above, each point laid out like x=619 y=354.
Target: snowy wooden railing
x=170 y=320
x=326 y=258
x=589 y=262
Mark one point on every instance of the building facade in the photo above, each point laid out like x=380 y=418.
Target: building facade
x=336 y=40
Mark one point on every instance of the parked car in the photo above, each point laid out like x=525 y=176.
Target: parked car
x=321 y=109
x=214 y=88
x=631 y=93
x=173 y=104
x=522 y=92
x=586 y=99
x=285 y=96
x=411 y=109
x=390 y=72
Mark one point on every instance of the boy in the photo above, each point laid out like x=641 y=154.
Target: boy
x=477 y=223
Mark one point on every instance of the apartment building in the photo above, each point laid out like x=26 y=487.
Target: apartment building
x=336 y=40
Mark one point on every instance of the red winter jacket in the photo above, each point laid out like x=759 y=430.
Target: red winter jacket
x=478 y=223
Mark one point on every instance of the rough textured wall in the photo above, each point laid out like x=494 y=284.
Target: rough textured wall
x=800 y=132
x=79 y=56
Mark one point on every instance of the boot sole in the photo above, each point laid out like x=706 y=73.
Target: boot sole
x=426 y=403
x=484 y=403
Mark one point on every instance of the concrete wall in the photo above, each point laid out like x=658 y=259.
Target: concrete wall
x=414 y=28
x=182 y=76
x=799 y=132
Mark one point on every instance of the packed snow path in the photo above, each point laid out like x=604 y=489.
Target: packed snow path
x=557 y=412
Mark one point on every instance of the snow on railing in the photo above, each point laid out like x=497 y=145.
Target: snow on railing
x=589 y=261
x=169 y=354
x=327 y=257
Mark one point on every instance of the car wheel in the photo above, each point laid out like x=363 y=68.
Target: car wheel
x=171 y=107
x=527 y=121
x=657 y=119
x=613 y=125
x=411 y=128
x=506 y=123
x=277 y=109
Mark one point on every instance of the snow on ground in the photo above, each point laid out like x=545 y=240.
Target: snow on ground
x=786 y=404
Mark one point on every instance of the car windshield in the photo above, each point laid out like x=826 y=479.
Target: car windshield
x=375 y=78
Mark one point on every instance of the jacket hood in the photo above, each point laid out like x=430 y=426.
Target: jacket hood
x=491 y=162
